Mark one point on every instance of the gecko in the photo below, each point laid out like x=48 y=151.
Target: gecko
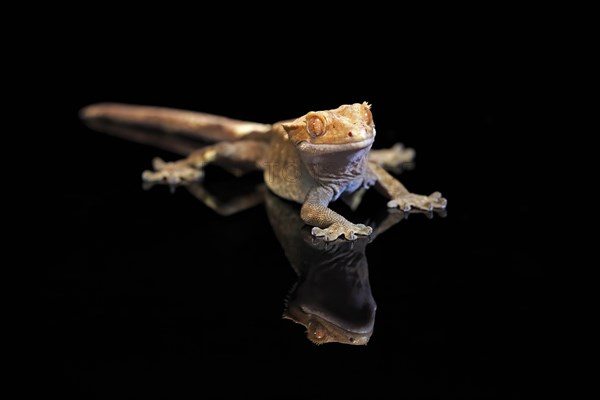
x=314 y=160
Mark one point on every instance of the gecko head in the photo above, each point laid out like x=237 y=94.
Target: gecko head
x=347 y=127
x=320 y=332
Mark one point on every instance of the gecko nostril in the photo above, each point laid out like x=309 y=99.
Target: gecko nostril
x=350 y=134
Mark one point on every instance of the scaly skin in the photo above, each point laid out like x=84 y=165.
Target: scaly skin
x=312 y=160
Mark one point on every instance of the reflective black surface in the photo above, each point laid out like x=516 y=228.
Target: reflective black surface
x=154 y=293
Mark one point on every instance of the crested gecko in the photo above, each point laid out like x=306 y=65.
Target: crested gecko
x=312 y=160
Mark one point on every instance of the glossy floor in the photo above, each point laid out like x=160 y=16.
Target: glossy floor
x=155 y=293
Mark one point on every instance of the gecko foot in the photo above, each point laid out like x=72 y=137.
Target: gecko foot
x=393 y=157
x=348 y=229
x=172 y=173
x=398 y=154
x=410 y=200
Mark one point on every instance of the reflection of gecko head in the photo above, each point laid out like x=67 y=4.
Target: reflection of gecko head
x=332 y=297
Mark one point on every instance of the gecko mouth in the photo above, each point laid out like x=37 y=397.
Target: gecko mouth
x=305 y=146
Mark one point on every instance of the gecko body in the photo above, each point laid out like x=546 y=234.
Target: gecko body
x=313 y=160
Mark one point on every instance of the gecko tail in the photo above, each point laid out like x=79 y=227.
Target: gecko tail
x=195 y=125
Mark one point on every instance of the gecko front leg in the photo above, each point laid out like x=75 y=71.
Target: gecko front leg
x=400 y=197
x=327 y=223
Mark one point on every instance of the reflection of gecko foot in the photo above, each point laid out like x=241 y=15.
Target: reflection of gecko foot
x=348 y=229
x=407 y=201
x=172 y=173
x=430 y=214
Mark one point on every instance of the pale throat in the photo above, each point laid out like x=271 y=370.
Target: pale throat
x=339 y=169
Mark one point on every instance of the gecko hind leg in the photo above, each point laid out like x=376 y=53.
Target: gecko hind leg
x=246 y=155
x=393 y=158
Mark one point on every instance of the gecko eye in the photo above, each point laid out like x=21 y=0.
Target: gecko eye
x=315 y=125
x=316 y=330
x=367 y=116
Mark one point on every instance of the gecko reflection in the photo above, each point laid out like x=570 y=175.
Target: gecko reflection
x=332 y=297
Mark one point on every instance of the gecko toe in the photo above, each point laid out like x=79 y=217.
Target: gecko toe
x=346 y=229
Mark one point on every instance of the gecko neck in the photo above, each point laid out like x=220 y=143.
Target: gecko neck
x=341 y=170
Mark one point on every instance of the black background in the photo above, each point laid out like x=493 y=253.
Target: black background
x=152 y=293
